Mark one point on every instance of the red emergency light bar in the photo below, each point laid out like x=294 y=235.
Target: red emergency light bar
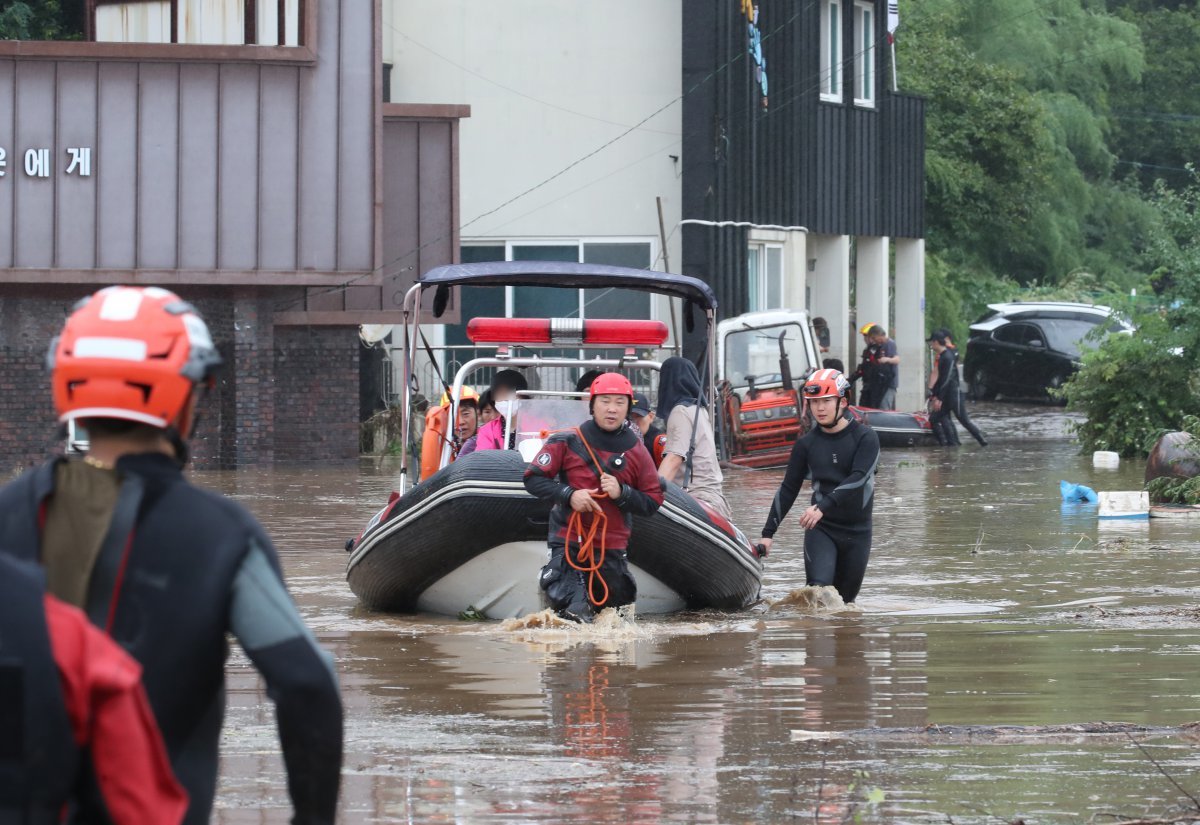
x=567 y=331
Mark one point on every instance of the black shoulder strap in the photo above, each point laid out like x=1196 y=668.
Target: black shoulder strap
x=106 y=575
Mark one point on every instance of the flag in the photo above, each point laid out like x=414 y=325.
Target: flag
x=893 y=19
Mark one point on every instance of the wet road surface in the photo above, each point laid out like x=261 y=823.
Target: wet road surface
x=987 y=602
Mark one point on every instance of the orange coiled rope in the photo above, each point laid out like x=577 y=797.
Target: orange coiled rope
x=588 y=559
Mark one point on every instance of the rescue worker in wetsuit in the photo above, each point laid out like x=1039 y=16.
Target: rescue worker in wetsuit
x=946 y=396
x=597 y=475
x=654 y=437
x=71 y=697
x=165 y=568
x=839 y=455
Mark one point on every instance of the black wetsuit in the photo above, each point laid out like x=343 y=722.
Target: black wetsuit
x=949 y=392
x=841 y=467
x=179 y=569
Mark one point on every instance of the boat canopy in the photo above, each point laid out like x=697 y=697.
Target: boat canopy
x=569 y=275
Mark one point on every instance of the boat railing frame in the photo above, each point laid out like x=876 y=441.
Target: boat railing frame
x=411 y=327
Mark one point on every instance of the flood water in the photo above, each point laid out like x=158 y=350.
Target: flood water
x=987 y=602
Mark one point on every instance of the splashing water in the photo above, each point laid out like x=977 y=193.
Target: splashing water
x=612 y=622
x=815 y=600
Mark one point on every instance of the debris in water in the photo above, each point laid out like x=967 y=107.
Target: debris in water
x=471 y=614
x=817 y=600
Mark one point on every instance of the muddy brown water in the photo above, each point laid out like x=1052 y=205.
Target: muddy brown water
x=987 y=602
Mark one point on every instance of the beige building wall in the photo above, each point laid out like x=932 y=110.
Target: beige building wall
x=554 y=89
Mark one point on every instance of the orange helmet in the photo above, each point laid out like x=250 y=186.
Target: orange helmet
x=467 y=394
x=611 y=383
x=132 y=353
x=826 y=384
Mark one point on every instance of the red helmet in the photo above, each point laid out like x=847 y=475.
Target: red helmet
x=133 y=353
x=611 y=383
x=826 y=384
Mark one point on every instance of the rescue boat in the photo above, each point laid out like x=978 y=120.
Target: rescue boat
x=762 y=413
x=897 y=429
x=470 y=540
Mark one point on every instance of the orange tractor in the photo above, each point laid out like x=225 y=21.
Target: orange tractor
x=760 y=356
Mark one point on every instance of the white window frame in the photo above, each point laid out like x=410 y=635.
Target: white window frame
x=579 y=242
x=759 y=282
x=864 y=54
x=832 y=79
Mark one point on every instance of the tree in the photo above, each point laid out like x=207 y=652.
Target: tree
x=41 y=19
x=1135 y=386
x=1019 y=171
x=1157 y=121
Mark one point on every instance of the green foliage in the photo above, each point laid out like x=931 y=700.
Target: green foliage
x=1021 y=175
x=1135 y=386
x=41 y=19
x=1156 y=122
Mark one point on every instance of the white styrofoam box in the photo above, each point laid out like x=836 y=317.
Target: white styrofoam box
x=1105 y=460
x=1125 y=504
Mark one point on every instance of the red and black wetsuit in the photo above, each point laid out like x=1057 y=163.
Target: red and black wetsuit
x=563 y=466
x=67 y=687
x=841 y=466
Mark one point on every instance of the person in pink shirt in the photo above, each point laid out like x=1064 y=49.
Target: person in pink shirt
x=493 y=435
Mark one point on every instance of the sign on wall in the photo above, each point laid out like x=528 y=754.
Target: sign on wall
x=37 y=162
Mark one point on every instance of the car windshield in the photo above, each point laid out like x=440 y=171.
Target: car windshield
x=755 y=352
x=1070 y=336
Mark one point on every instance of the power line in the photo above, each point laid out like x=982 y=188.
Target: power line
x=510 y=89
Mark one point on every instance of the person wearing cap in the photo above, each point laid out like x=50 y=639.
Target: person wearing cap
x=653 y=436
x=840 y=456
x=169 y=570
x=945 y=394
x=690 y=452
x=597 y=476
x=886 y=376
x=438 y=431
x=867 y=367
x=495 y=435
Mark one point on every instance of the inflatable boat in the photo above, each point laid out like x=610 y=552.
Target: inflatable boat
x=896 y=429
x=470 y=538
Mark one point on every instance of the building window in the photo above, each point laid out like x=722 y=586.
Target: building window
x=831 y=50
x=864 y=54
x=548 y=302
x=765 y=271
x=212 y=22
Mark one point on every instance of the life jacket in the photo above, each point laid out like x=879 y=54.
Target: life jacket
x=162 y=587
x=436 y=435
x=39 y=759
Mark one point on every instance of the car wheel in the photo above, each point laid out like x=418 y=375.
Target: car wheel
x=1056 y=382
x=982 y=388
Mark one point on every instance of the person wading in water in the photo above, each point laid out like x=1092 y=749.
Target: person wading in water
x=840 y=455
x=597 y=476
x=168 y=569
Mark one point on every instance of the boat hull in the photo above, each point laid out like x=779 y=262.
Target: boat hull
x=471 y=536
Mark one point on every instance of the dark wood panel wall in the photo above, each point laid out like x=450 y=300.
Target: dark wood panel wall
x=834 y=168
x=228 y=168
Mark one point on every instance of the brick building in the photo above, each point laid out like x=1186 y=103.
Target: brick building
x=243 y=158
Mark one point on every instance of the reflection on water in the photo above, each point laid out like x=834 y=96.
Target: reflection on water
x=986 y=603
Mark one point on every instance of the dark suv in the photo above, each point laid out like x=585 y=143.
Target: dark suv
x=1023 y=349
